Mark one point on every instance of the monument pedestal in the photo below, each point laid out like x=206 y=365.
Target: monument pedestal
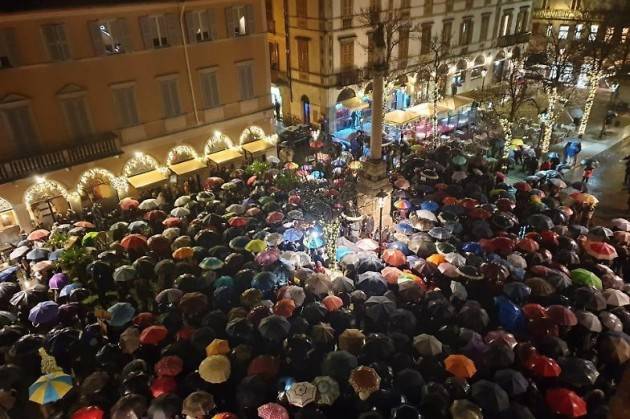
x=372 y=180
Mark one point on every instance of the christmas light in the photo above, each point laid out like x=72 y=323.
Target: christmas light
x=139 y=163
x=549 y=119
x=331 y=234
x=96 y=176
x=5 y=205
x=251 y=134
x=218 y=142
x=45 y=189
x=594 y=79
x=506 y=125
x=180 y=153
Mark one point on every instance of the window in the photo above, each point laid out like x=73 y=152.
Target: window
x=18 y=119
x=465 y=32
x=593 y=32
x=428 y=7
x=210 y=87
x=346 y=13
x=485 y=25
x=624 y=34
x=405 y=12
x=578 y=30
x=563 y=32
x=77 y=117
x=125 y=104
x=449 y=5
x=170 y=97
x=425 y=39
x=506 y=24
x=201 y=25
x=521 y=21
x=302 y=44
x=56 y=43
x=110 y=36
x=610 y=34
x=346 y=49
x=160 y=31
x=274 y=56
x=549 y=30
x=271 y=23
x=576 y=4
x=240 y=20
x=403 y=47
x=301 y=9
x=8 y=50
x=447 y=30
x=246 y=80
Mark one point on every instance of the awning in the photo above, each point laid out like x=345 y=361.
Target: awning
x=225 y=156
x=425 y=110
x=355 y=104
x=144 y=180
x=255 y=147
x=187 y=166
x=399 y=117
x=455 y=102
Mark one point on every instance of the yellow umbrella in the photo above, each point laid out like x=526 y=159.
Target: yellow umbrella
x=516 y=142
x=256 y=246
x=355 y=165
x=50 y=387
x=218 y=347
x=215 y=369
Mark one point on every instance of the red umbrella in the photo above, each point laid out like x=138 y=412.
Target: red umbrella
x=214 y=181
x=153 y=335
x=275 y=217
x=134 y=242
x=155 y=216
x=40 y=234
x=544 y=366
x=527 y=245
x=272 y=411
x=479 y=213
x=172 y=222
x=394 y=257
x=169 y=366
x=561 y=315
x=565 y=402
x=129 y=204
x=523 y=186
x=600 y=250
x=469 y=203
x=534 y=311
x=316 y=144
x=238 y=222
x=295 y=200
x=505 y=204
x=503 y=245
x=549 y=237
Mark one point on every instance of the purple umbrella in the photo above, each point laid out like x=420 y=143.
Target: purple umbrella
x=45 y=312
x=58 y=281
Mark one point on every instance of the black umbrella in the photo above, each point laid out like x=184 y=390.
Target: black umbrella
x=338 y=365
x=512 y=381
x=379 y=308
x=498 y=356
x=540 y=222
x=578 y=372
x=274 y=328
x=409 y=383
x=489 y=396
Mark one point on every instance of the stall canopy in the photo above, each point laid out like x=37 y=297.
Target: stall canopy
x=425 y=110
x=220 y=150
x=456 y=102
x=399 y=117
x=355 y=104
x=254 y=141
x=148 y=179
x=143 y=171
x=187 y=167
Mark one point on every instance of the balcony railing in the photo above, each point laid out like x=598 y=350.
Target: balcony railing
x=348 y=77
x=513 y=39
x=565 y=14
x=27 y=166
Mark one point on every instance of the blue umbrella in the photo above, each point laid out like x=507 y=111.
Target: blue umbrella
x=404 y=227
x=509 y=314
x=65 y=291
x=37 y=254
x=55 y=255
x=517 y=291
x=472 y=247
x=314 y=241
x=292 y=235
x=342 y=251
x=264 y=281
x=339 y=162
x=430 y=206
x=9 y=273
x=121 y=314
x=400 y=246
x=44 y=313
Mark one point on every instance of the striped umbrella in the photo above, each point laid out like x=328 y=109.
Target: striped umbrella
x=50 y=387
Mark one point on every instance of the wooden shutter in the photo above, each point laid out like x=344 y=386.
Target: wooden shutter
x=50 y=38
x=212 y=23
x=173 y=31
x=191 y=26
x=147 y=30
x=249 y=19
x=121 y=33
x=230 y=22
x=97 y=40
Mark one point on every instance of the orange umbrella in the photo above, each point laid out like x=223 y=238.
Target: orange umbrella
x=183 y=253
x=436 y=259
x=600 y=250
x=128 y=204
x=134 y=242
x=40 y=234
x=460 y=366
x=394 y=257
x=391 y=274
x=332 y=302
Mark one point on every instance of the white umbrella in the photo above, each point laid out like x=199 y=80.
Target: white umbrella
x=621 y=224
x=616 y=298
x=182 y=200
x=367 y=244
x=180 y=212
x=456 y=259
x=171 y=233
x=149 y=204
x=426 y=215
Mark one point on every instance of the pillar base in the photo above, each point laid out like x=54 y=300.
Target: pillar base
x=372 y=172
x=372 y=180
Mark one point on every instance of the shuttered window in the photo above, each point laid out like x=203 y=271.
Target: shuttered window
x=240 y=20
x=347 y=53
x=160 y=31
x=246 y=80
x=201 y=25
x=125 y=104
x=170 y=97
x=77 y=117
x=19 y=120
x=56 y=42
x=8 y=50
x=210 y=87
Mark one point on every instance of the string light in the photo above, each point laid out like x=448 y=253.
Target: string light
x=218 y=142
x=5 y=205
x=180 y=153
x=549 y=119
x=91 y=176
x=506 y=125
x=43 y=190
x=331 y=234
x=251 y=134
x=594 y=79
x=139 y=163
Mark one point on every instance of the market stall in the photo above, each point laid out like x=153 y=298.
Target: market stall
x=220 y=151
x=255 y=143
x=187 y=167
x=422 y=128
x=144 y=174
x=460 y=110
x=352 y=113
x=46 y=201
x=101 y=186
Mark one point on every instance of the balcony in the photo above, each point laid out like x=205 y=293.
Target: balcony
x=27 y=166
x=513 y=39
x=565 y=14
x=348 y=76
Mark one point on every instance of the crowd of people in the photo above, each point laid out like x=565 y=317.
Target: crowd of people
x=260 y=297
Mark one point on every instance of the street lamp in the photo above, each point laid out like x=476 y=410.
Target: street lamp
x=484 y=71
x=380 y=202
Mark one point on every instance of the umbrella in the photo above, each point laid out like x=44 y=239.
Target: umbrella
x=9 y=273
x=215 y=369
x=616 y=298
x=512 y=381
x=256 y=246
x=37 y=235
x=600 y=250
x=180 y=212
x=440 y=233
x=124 y=273
x=561 y=315
x=272 y=411
x=302 y=393
x=128 y=204
x=182 y=200
x=490 y=396
x=149 y=204
x=394 y=257
x=578 y=372
x=45 y=312
x=37 y=254
x=583 y=277
x=43 y=266
x=620 y=224
x=364 y=381
x=460 y=366
x=134 y=242
x=211 y=264
x=198 y=404
x=565 y=402
x=50 y=387
x=327 y=390
x=368 y=245
x=589 y=321
x=427 y=345
x=292 y=235
x=120 y=314
x=19 y=252
x=544 y=366
x=274 y=328
x=540 y=222
x=267 y=257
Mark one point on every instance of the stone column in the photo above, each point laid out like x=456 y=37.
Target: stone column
x=376 y=138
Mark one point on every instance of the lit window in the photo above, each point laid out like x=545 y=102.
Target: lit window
x=549 y=30
x=578 y=30
x=610 y=33
x=624 y=34
x=240 y=20
x=563 y=32
x=593 y=32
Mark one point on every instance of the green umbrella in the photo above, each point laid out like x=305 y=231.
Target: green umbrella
x=583 y=277
x=264 y=200
x=223 y=281
x=459 y=160
x=94 y=239
x=211 y=264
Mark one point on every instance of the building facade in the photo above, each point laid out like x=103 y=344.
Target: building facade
x=81 y=82
x=328 y=48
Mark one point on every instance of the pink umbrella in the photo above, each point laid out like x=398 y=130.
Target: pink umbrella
x=273 y=411
x=128 y=204
x=40 y=234
x=268 y=257
x=275 y=217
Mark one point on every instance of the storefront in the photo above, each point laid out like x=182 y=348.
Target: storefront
x=145 y=175
x=220 y=151
x=255 y=143
x=46 y=201
x=102 y=187
x=352 y=113
x=187 y=168
x=9 y=228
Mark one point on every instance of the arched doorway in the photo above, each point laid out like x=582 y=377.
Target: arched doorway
x=479 y=65
x=101 y=186
x=498 y=67
x=459 y=78
x=306 y=109
x=345 y=94
x=46 y=201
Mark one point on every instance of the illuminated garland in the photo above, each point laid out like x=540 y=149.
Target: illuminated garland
x=218 y=142
x=331 y=234
x=549 y=119
x=139 y=163
x=180 y=153
x=42 y=190
x=104 y=176
x=5 y=205
x=594 y=79
x=506 y=125
x=251 y=134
